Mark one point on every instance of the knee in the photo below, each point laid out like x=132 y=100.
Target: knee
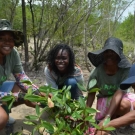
x=3 y=118
x=125 y=105
x=71 y=81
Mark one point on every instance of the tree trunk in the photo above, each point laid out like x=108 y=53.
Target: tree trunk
x=25 y=35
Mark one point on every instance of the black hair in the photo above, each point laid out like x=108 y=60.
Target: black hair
x=52 y=55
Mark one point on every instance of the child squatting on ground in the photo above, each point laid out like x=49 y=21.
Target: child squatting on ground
x=128 y=118
x=111 y=69
x=10 y=63
x=61 y=70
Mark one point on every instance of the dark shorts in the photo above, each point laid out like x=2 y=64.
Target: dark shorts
x=7 y=87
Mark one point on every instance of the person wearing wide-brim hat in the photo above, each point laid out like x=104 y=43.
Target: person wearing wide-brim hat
x=10 y=63
x=114 y=44
x=111 y=68
x=128 y=118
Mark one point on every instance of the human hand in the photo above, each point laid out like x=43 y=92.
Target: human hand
x=44 y=95
x=99 y=132
x=90 y=131
x=101 y=123
x=93 y=131
x=104 y=123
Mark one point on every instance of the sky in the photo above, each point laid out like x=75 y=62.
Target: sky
x=130 y=9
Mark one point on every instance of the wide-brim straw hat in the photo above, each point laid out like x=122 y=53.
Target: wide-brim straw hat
x=112 y=43
x=5 y=25
x=130 y=80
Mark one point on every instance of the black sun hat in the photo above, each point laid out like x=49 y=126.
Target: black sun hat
x=5 y=25
x=112 y=43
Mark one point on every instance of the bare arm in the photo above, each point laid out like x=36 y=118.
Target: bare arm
x=90 y=99
x=115 y=102
x=124 y=120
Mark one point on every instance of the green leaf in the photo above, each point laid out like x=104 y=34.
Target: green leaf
x=90 y=119
x=109 y=128
x=34 y=98
x=68 y=108
x=43 y=110
x=75 y=115
x=79 y=124
x=92 y=83
x=64 y=87
x=82 y=102
x=11 y=103
x=29 y=123
x=79 y=111
x=81 y=87
x=32 y=117
x=48 y=126
x=29 y=92
x=45 y=88
x=68 y=88
x=76 y=132
x=27 y=82
x=96 y=126
x=58 y=100
x=34 y=130
x=106 y=121
x=94 y=90
x=64 y=98
x=91 y=110
x=7 y=98
x=57 y=121
x=68 y=95
x=37 y=110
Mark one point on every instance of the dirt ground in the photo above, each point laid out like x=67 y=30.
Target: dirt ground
x=21 y=111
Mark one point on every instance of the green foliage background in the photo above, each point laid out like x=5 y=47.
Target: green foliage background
x=84 y=25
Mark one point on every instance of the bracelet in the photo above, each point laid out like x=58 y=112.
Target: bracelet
x=108 y=116
x=36 y=92
x=21 y=96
